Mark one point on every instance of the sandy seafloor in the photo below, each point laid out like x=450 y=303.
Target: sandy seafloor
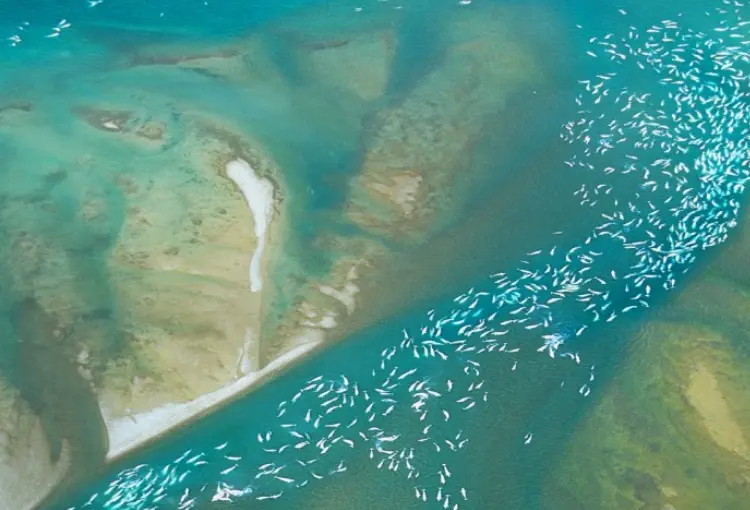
x=413 y=148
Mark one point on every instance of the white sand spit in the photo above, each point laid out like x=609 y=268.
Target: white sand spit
x=258 y=193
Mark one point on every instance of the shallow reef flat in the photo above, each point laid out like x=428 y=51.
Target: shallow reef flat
x=128 y=291
x=418 y=166
x=671 y=429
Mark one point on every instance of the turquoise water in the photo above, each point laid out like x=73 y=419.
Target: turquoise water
x=539 y=210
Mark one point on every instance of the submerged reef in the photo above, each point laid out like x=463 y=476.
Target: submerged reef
x=418 y=167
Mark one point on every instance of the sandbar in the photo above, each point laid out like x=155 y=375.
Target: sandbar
x=706 y=397
x=128 y=433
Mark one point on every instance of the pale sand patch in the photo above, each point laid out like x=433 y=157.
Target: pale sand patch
x=316 y=317
x=249 y=357
x=346 y=295
x=259 y=195
x=402 y=189
x=130 y=432
x=706 y=397
x=323 y=317
x=669 y=492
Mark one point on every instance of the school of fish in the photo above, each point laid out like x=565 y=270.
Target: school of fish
x=673 y=166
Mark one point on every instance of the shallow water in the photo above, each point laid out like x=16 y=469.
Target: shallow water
x=501 y=422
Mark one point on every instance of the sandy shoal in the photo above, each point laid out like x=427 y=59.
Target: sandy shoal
x=128 y=433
